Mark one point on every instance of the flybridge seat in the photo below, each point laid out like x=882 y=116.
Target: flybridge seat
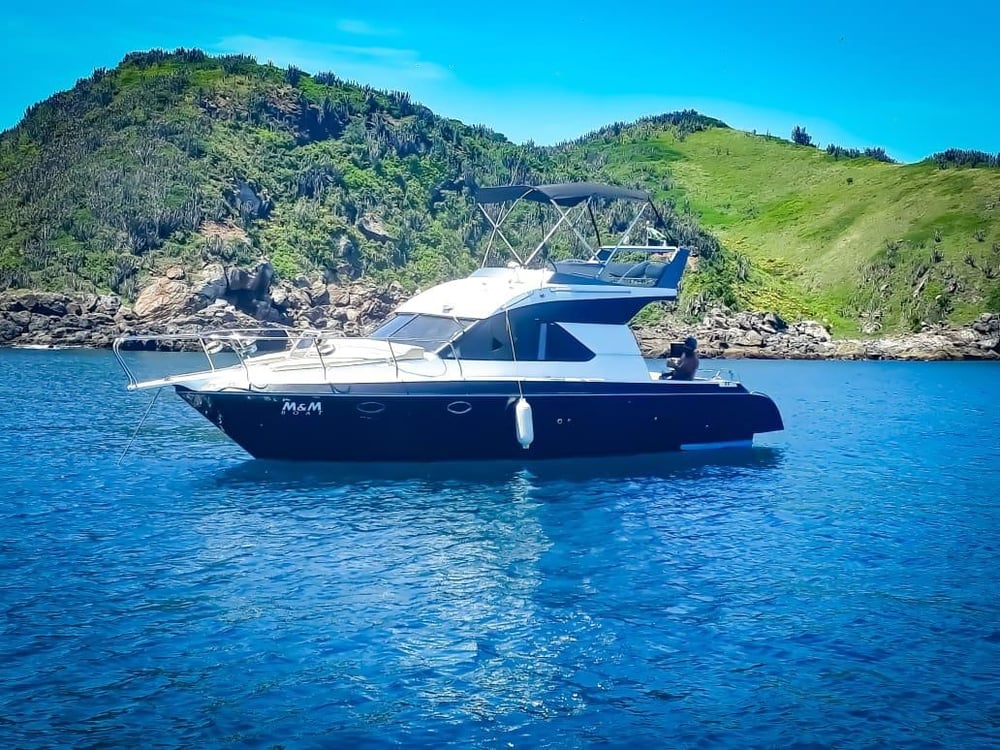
x=647 y=270
x=642 y=273
x=646 y=273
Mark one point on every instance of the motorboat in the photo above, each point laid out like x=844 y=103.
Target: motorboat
x=531 y=358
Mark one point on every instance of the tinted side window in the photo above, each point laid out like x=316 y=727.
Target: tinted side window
x=487 y=339
x=560 y=346
x=534 y=341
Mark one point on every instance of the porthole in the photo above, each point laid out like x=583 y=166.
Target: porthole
x=459 y=407
x=371 y=407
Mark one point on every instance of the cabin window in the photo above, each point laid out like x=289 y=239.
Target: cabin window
x=428 y=331
x=392 y=325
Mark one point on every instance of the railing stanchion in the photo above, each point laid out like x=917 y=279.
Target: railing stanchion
x=204 y=348
x=116 y=348
x=319 y=353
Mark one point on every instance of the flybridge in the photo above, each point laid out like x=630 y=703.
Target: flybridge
x=574 y=205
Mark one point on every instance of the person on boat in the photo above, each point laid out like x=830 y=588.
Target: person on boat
x=686 y=365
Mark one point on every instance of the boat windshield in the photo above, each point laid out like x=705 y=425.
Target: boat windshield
x=428 y=331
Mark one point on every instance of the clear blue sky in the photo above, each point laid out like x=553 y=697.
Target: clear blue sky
x=901 y=75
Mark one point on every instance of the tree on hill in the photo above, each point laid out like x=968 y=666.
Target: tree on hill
x=957 y=157
x=800 y=136
x=681 y=123
x=876 y=153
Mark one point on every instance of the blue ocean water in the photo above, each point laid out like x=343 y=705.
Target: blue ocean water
x=836 y=586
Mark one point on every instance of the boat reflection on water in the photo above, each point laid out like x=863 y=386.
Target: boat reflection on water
x=487 y=593
x=719 y=465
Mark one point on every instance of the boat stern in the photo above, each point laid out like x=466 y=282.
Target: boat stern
x=764 y=414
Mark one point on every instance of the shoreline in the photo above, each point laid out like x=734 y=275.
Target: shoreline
x=755 y=335
x=50 y=320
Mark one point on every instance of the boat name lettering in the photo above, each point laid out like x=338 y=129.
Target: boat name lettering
x=300 y=407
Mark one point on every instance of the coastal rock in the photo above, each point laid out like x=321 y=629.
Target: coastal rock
x=267 y=313
x=319 y=294
x=280 y=294
x=88 y=302
x=921 y=346
x=20 y=318
x=263 y=277
x=9 y=330
x=813 y=330
x=748 y=338
x=256 y=280
x=212 y=282
x=41 y=303
x=239 y=279
x=107 y=304
x=773 y=320
x=850 y=349
x=162 y=298
x=287 y=296
x=38 y=323
x=725 y=336
x=172 y=305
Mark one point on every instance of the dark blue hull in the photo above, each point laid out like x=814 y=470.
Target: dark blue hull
x=475 y=421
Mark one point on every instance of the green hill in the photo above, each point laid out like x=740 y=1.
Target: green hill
x=180 y=157
x=863 y=243
x=185 y=158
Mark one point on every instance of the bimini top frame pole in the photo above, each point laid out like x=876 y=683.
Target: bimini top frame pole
x=496 y=231
x=562 y=197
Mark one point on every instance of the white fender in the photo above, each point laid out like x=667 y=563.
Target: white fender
x=523 y=423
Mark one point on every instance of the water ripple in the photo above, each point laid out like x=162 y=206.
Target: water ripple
x=834 y=587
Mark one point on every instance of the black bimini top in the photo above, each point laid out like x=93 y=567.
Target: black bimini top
x=565 y=194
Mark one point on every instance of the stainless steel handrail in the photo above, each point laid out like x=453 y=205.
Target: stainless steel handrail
x=239 y=341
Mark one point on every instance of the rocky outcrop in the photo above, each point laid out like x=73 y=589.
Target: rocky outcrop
x=767 y=336
x=346 y=310
x=214 y=298
x=163 y=298
x=212 y=282
x=221 y=298
x=50 y=319
x=371 y=227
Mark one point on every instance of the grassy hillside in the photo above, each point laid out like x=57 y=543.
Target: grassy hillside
x=863 y=243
